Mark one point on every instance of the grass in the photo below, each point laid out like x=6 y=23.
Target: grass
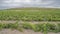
x=30 y=14
x=43 y=27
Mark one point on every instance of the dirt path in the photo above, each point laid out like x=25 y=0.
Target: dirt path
x=9 y=31
x=29 y=21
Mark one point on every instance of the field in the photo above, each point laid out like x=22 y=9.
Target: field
x=30 y=15
x=39 y=27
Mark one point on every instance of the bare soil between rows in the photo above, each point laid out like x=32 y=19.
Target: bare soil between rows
x=9 y=31
x=29 y=21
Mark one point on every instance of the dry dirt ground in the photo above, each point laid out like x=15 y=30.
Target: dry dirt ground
x=30 y=21
x=9 y=31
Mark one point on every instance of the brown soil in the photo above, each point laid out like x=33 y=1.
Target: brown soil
x=9 y=31
x=30 y=21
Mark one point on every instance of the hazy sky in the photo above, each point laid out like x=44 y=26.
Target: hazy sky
x=29 y=3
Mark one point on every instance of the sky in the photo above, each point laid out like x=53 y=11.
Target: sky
x=29 y=3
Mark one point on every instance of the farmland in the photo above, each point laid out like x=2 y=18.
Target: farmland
x=39 y=27
x=30 y=14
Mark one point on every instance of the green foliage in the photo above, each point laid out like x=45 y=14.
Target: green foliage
x=31 y=14
x=40 y=27
x=1 y=26
x=45 y=29
x=10 y=26
x=29 y=26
